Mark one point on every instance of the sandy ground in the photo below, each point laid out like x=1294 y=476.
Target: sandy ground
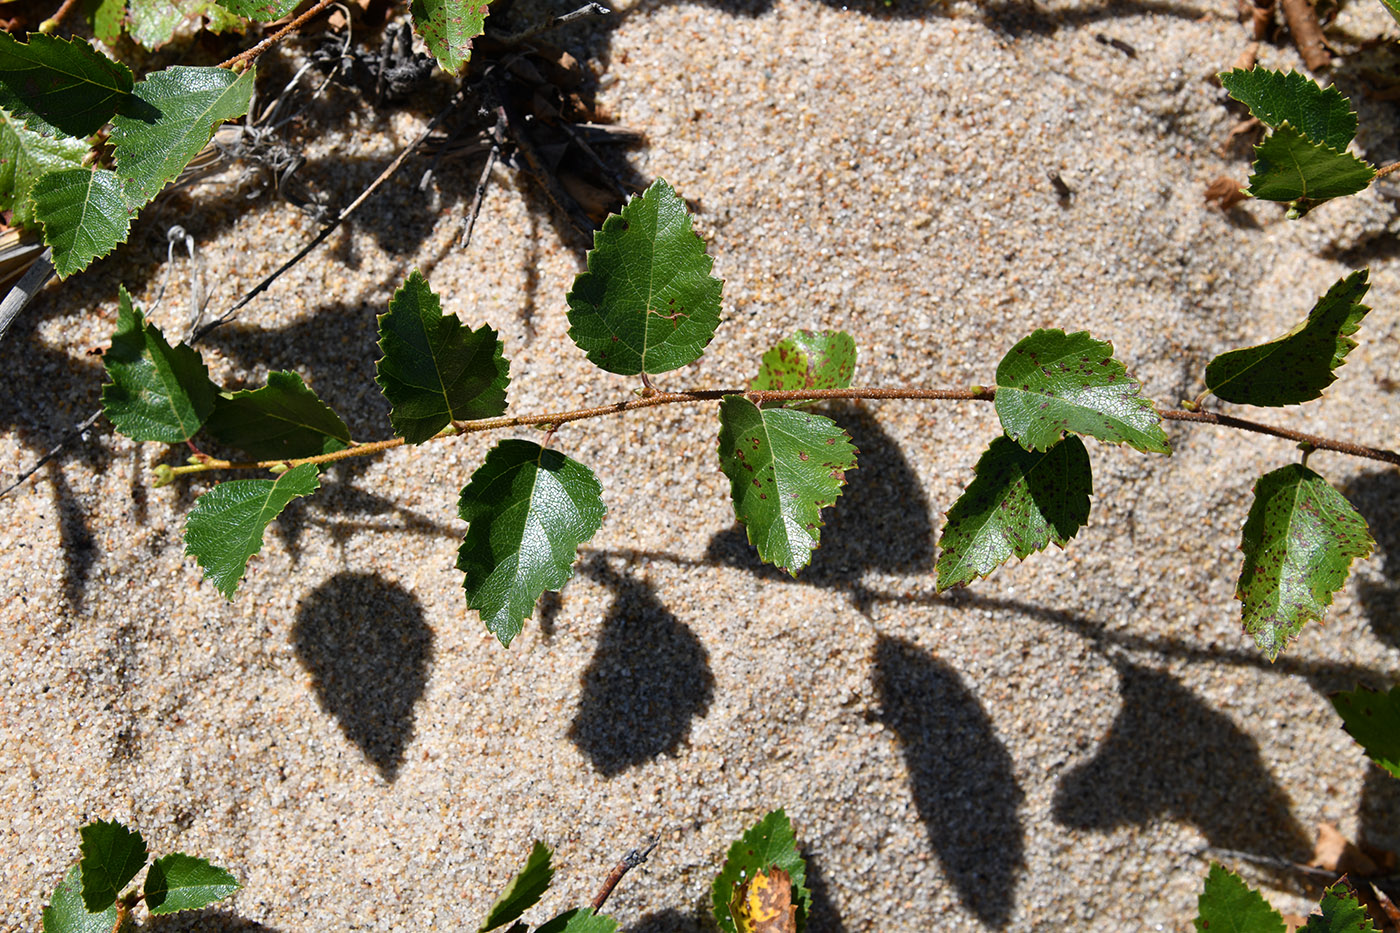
x=1062 y=743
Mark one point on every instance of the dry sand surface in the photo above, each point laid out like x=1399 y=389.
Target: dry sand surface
x=1062 y=743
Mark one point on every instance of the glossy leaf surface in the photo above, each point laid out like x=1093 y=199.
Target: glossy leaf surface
x=1339 y=912
x=1320 y=114
x=435 y=371
x=182 y=882
x=1290 y=167
x=84 y=215
x=226 y=527
x=157 y=392
x=1373 y=719
x=524 y=890
x=1296 y=367
x=647 y=302
x=1020 y=502
x=1053 y=383
x=448 y=27
x=282 y=420
x=66 y=913
x=528 y=510
x=60 y=86
x=808 y=360
x=784 y=467
x=24 y=156
x=1298 y=542
x=173 y=116
x=264 y=11
x=579 y=920
x=767 y=844
x=112 y=855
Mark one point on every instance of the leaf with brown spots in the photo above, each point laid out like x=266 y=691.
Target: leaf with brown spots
x=763 y=904
x=766 y=848
x=448 y=28
x=1296 y=367
x=808 y=360
x=784 y=467
x=1298 y=542
x=1052 y=384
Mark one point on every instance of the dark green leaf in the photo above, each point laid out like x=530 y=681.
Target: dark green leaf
x=112 y=855
x=182 y=882
x=66 y=913
x=524 y=890
x=808 y=360
x=1053 y=383
x=60 y=86
x=1322 y=115
x=174 y=116
x=1228 y=905
x=448 y=27
x=1298 y=542
x=84 y=215
x=579 y=920
x=1020 y=502
x=281 y=421
x=1289 y=167
x=226 y=527
x=1373 y=719
x=529 y=510
x=1339 y=912
x=24 y=156
x=768 y=843
x=264 y=11
x=784 y=467
x=647 y=303
x=158 y=392
x=434 y=370
x=1296 y=367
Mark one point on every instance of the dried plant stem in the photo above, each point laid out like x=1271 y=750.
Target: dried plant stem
x=552 y=420
x=1307 y=33
x=250 y=54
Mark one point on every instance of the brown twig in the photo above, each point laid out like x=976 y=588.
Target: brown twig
x=628 y=862
x=497 y=139
x=1385 y=170
x=250 y=54
x=50 y=24
x=1320 y=443
x=1307 y=33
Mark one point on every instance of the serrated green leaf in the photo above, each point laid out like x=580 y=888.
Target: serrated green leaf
x=112 y=855
x=174 y=115
x=1298 y=542
x=182 y=882
x=105 y=17
x=1020 y=502
x=65 y=912
x=1394 y=7
x=647 y=303
x=24 y=156
x=1290 y=167
x=784 y=467
x=524 y=890
x=435 y=371
x=579 y=920
x=1322 y=115
x=282 y=420
x=1339 y=912
x=767 y=843
x=529 y=509
x=152 y=23
x=83 y=213
x=1373 y=719
x=60 y=86
x=1296 y=367
x=448 y=27
x=807 y=360
x=1053 y=383
x=226 y=526
x=158 y=392
x=264 y=11
x=1228 y=905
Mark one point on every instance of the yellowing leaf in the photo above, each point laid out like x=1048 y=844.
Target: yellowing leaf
x=763 y=904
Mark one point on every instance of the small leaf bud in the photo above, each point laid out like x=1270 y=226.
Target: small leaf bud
x=164 y=475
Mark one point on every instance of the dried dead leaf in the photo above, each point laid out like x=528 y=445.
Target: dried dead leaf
x=763 y=904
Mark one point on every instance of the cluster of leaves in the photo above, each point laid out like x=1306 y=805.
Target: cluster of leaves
x=1303 y=161
x=90 y=897
x=62 y=103
x=761 y=887
x=647 y=305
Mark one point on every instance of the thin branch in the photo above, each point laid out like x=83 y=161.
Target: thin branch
x=588 y=9
x=24 y=291
x=250 y=54
x=497 y=138
x=628 y=862
x=1320 y=443
x=1385 y=170
x=51 y=24
x=75 y=431
x=339 y=219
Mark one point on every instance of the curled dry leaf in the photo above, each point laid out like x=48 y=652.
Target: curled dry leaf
x=763 y=904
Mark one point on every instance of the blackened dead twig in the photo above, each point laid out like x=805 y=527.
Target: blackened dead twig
x=1058 y=183
x=1118 y=44
x=498 y=133
x=75 y=431
x=588 y=9
x=628 y=862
